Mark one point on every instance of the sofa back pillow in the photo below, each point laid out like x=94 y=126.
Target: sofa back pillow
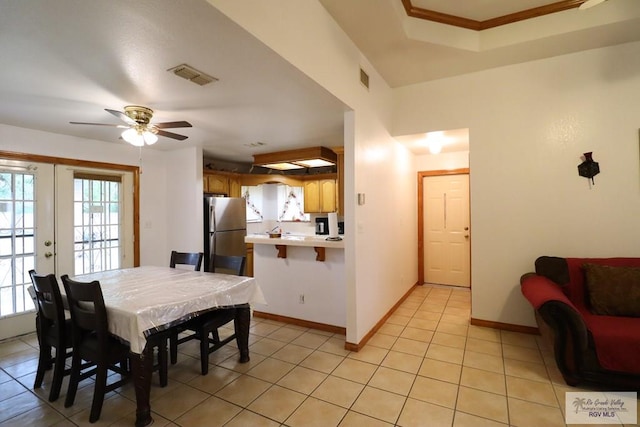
x=613 y=291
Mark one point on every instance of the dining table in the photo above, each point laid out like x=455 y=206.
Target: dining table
x=143 y=303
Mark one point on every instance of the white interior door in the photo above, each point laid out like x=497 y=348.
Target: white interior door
x=26 y=239
x=446 y=230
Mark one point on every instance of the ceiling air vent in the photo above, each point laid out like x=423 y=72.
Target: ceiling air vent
x=189 y=73
x=364 y=78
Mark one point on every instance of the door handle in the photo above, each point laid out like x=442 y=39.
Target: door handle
x=48 y=254
x=466 y=229
x=47 y=242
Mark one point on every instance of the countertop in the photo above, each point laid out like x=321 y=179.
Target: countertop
x=295 y=240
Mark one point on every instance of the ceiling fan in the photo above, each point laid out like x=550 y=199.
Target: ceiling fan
x=138 y=129
x=590 y=3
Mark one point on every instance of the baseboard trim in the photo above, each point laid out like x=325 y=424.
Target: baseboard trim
x=356 y=347
x=505 y=326
x=300 y=322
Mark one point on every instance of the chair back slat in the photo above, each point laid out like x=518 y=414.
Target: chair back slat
x=186 y=258
x=228 y=264
x=48 y=299
x=88 y=312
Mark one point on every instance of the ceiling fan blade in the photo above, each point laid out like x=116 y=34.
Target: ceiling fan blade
x=101 y=124
x=166 y=125
x=172 y=135
x=122 y=116
x=589 y=4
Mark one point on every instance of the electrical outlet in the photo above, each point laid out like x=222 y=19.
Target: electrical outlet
x=301 y=299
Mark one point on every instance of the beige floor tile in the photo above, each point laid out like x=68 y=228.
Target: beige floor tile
x=434 y=391
x=453 y=329
x=248 y=418
x=310 y=340
x=533 y=391
x=316 y=413
x=397 y=319
x=285 y=334
x=321 y=361
x=243 y=390
x=528 y=370
x=482 y=333
x=171 y=408
x=443 y=371
x=355 y=370
x=271 y=370
x=392 y=380
x=483 y=380
x=41 y=415
x=212 y=412
x=467 y=420
x=266 y=346
x=430 y=325
x=263 y=329
x=379 y=404
x=427 y=315
x=405 y=312
x=292 y=353
x=484 y=346
x=335 y=345
x=22 y=368
x=369 y=354
x=452 y=318
x=404 y=345
x=412 y=305
x=338 y=391
x=457 y=311
x=382 y=340
x=460 y=302
x=390 y=329
x=432 y=307
x=417 y=334
x=445 y=354
x=14 y=388
x=302 y=380
x=114 y=411
x=277 y=403
x=528 y=414
x=234 y=364
x=211 y=383
x=521 y=353
x=354 y=419
x=519 y=339
x=402 y=362
x=417 y=413
x=449 y=340
x=483 y=404
x=483 y=361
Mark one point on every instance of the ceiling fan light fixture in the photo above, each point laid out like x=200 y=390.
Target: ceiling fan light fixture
x=133 y=137
x=150 y=138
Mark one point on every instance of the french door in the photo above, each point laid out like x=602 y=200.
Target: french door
x=58 y=219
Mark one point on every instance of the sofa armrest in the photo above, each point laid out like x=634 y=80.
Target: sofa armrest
x=561 y=315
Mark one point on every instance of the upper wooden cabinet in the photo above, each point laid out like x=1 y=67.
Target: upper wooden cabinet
x=320 y=196
x=217 y=184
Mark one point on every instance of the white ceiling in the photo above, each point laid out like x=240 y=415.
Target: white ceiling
x=67 y=60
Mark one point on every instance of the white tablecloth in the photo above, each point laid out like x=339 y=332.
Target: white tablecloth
x=142 y=298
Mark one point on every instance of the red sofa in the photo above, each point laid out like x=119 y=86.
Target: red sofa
x=588 y=347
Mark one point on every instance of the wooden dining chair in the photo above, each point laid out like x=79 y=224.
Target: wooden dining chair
x=93 y=342
x=53 y=330
x=186 y=258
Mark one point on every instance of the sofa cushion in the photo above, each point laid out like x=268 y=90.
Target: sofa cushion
x=575 y=289
x=613 y=291
x=616 y=340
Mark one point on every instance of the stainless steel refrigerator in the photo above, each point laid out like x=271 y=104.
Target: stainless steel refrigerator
x=225 y=226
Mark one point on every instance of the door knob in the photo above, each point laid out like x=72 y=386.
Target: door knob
x=466 y=236
x=48 y=254
x=47 y=242
x=466 y=228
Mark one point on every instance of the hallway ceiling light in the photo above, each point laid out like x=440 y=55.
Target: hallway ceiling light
x=297 y=159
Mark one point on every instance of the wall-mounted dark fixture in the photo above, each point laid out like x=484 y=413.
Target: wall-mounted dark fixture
x=589 y=168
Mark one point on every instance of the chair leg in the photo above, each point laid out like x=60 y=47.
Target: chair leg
x=98 y=393
x=173 y=346
x=58 y=374
x=204 y=352
x=163 y=362
x=44 y=363
x=74 y=379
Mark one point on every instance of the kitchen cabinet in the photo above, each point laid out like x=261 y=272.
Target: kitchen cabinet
x=248 y=264
x=320 y=196
x=216 y=184
x=235 y=189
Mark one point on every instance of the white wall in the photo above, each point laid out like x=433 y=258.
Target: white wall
x=529 y=124
x=380 y=240
x=154 y=241
x=443 y=161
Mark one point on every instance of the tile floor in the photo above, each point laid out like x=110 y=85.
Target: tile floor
x=425 y=367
